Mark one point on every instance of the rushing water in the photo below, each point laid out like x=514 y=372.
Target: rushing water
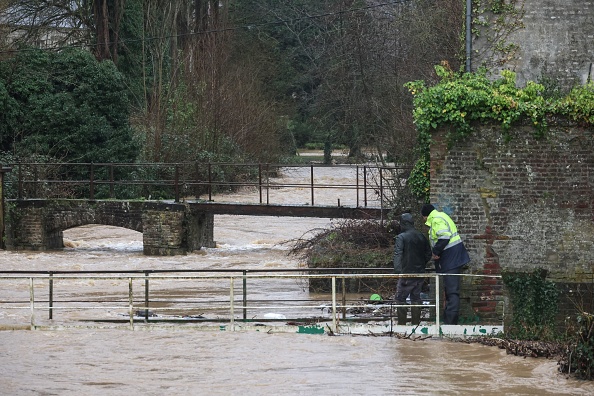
x=189 y=362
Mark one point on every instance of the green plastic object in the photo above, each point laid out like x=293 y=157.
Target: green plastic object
x=375 y=297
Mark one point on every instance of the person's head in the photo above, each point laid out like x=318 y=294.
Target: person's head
x=406 y=221
x=426 y=210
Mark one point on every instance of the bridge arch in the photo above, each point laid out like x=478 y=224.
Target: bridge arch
x=99 y=236
x=63 y=215
x=167 y=228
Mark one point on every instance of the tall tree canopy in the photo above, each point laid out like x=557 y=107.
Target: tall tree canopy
x=254 y=79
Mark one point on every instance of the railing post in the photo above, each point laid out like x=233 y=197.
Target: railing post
x=3 y=170
x=381 y=195
x=357 y=183
x=20 y=194
x=381 y=186
x=391 y=318
x=176 y=183
x=209 y=181
x=146 y=296
x=32 y=302
x=244 y=295
x=197 y=180
x=334 y=321
x=111 y=181
x=231 y=305
x=312 y=184
x=437 y=304
x=51 y=295
x=365 y=185
x=260 y=182
x=267 y=184
x=343 y=297
x=131 y=303
x=35 y=182
x=92 y=183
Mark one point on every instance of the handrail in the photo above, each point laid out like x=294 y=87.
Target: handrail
x=132 y=306
x=222 y=270
x=33 y=180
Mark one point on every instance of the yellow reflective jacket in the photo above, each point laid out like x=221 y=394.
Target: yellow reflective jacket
x=441 y=226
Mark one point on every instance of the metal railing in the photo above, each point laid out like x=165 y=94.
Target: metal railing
x=175 y=181
x=121 y=295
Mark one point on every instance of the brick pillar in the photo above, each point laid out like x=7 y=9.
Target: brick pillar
x=163 y=232
x=199 y=230
x=27 y=227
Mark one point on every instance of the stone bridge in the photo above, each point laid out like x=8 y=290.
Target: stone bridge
x=168 y=228
x=37 y=204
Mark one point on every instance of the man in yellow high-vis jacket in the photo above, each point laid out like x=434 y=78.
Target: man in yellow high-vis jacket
x=449 y=255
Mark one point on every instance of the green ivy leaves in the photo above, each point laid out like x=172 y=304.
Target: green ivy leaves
x=534 y=302
x=579 y=104
x=461 y=99
x=418 y=180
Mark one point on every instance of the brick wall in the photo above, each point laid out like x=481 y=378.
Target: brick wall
x=520 y=203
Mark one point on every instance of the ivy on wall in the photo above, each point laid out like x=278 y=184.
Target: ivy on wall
x=460 y=100
x=493 y=23
x=534 y=301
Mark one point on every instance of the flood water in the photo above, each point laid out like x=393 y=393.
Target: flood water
x=190 y=361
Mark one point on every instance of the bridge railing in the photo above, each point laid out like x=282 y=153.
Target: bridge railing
x=226 y=298
x=368 y=185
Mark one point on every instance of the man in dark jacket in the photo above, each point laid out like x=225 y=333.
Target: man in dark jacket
x=411 y=254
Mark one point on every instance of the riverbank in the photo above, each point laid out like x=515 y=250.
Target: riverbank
x=524 y=348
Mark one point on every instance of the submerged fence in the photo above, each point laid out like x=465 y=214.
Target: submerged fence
x=225 y=300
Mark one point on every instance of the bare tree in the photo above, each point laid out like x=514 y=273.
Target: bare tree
x=369 y=53
x=203 y=97
x=46 y=23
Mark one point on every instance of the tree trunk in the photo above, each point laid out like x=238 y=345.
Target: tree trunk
x=101 y=14
x=107 y=27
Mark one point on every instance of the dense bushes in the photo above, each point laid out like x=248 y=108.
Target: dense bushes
x=349 y=244
x=352 y=244
x=579 y=357
x=66 y=106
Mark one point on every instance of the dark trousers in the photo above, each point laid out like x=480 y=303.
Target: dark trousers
x=451 y=285
x=409 y=287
